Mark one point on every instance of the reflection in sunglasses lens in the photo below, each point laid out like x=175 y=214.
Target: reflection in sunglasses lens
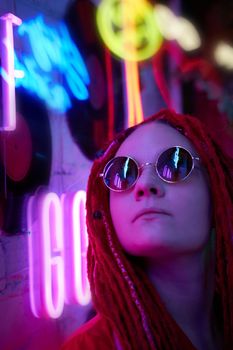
x=121 y=173
x=174 y=164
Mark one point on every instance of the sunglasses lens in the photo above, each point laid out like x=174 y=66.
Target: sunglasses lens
x=120 y=173
x=174 y=164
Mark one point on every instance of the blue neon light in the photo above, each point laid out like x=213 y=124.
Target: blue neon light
x=53 y=56
x=176 y=157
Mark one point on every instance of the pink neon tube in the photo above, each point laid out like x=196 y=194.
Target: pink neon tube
x=8 y=120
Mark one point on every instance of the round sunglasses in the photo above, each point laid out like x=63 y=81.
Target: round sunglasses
x=173 y=165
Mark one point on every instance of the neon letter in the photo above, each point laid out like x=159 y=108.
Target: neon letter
x=8 y=118
x=77 y=288
x=47 y=237
x=57 y=252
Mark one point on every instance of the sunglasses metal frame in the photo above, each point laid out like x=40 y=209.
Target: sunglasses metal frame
x=140 y=167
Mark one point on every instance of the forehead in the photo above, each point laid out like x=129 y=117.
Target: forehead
x=150 y=139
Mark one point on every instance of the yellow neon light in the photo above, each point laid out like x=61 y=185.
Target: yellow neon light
x=134 y=103
x=137 y=93
x=128 y=28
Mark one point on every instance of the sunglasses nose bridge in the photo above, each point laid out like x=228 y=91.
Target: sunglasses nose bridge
x=147 y=164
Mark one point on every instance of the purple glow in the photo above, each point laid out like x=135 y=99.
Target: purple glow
x=33 y=257
x=8 y=118
x=52 y=273
x=57 y=252
x=77 y=290
x=46 y=255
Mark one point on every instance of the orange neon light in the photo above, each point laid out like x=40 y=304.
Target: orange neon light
x=134 y=103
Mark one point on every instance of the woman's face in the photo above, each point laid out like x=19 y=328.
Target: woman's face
x=185 y=227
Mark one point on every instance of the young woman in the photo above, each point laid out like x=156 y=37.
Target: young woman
x=160 y=225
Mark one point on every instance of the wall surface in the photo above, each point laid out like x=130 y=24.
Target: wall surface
x=19 y=328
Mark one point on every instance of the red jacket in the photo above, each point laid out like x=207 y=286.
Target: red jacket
x=96 y=334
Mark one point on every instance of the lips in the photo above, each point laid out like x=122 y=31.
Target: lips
x=148 y=212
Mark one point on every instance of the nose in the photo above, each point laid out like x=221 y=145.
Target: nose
x=149 y=184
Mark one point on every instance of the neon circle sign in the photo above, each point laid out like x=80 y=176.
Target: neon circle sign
x=128 y=28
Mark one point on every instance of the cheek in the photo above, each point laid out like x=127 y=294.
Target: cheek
x=120 y=213
x=115 y=207
x=118 y=209
x=193 y=211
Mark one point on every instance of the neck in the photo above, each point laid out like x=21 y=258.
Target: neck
x=186 y=287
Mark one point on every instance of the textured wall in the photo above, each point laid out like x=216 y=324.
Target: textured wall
x=19 y=329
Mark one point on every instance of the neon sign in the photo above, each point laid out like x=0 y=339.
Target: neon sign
x=77 y=291
x=128 y=28
x=57 y=252
x=8 y=117
x=133 y=30
x=53 y=55
x=134 y=102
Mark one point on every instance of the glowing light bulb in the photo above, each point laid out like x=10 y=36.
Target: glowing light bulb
x=176 y=28
x=187 y=36
x=166 y=21
x=223 y=55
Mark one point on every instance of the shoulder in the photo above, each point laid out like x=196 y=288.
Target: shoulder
x=94 y=335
